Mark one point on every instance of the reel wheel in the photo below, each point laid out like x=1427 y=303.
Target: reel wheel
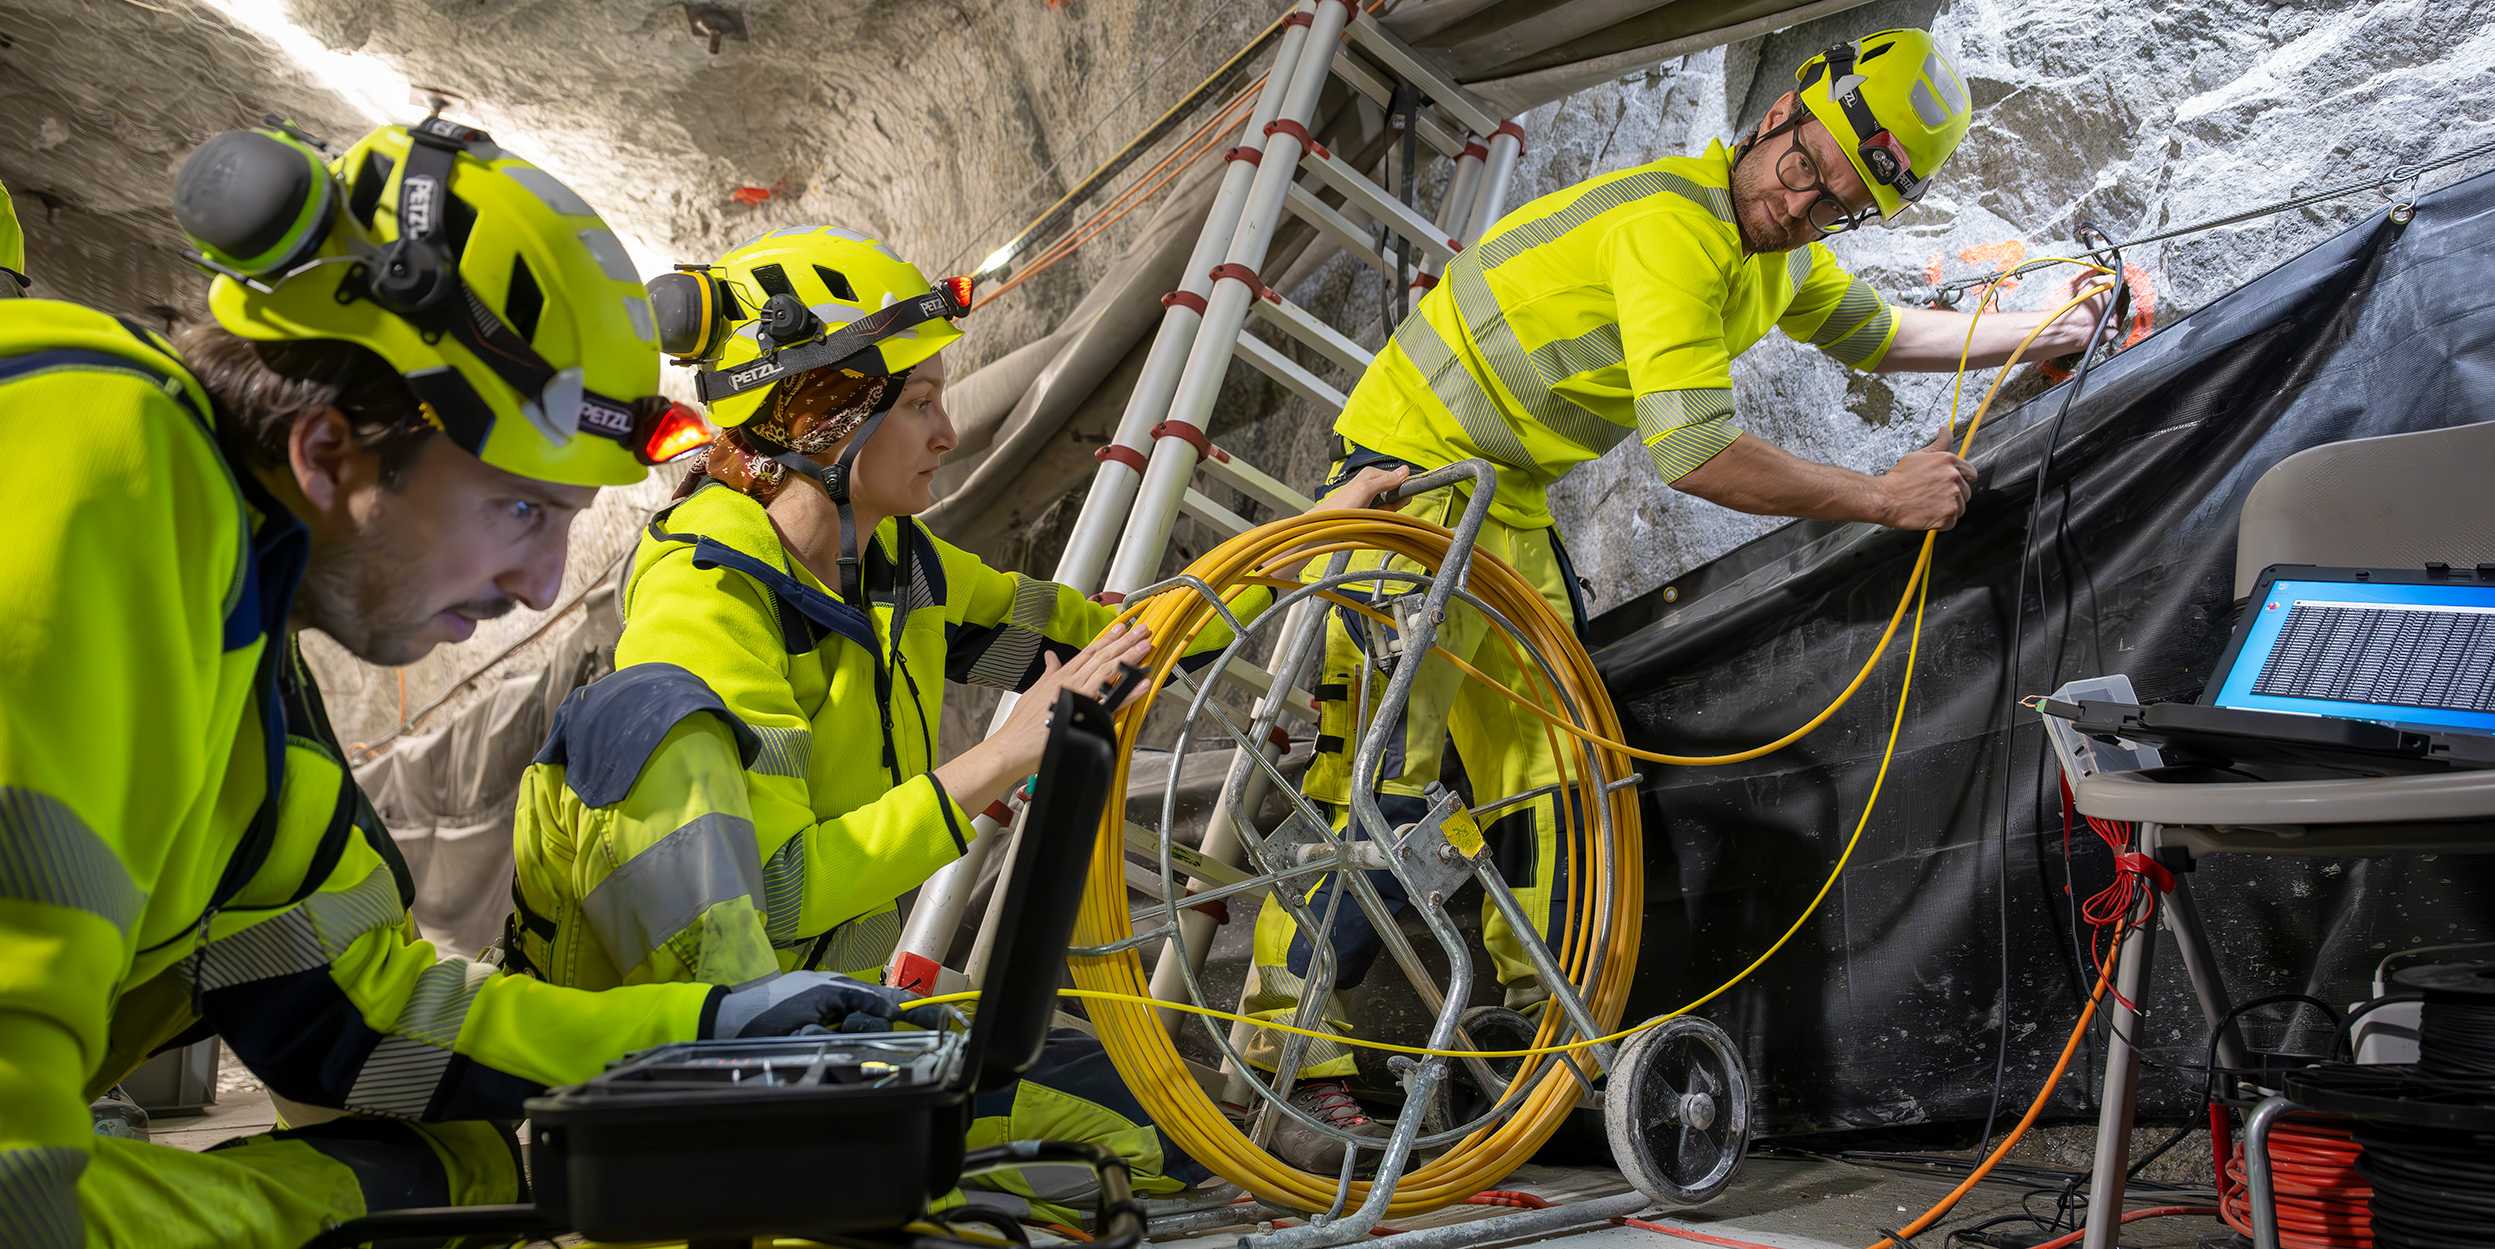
x=1677 y=1110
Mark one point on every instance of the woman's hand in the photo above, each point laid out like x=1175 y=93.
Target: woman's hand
x=986 y=772
x=1363 y=490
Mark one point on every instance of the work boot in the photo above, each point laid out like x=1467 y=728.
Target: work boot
x=117 y=1113
x=1329 y=1102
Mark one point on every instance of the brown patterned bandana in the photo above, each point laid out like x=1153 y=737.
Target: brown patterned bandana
x=808 y=414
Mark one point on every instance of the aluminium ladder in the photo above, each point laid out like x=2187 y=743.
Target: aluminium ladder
x=1147 y=472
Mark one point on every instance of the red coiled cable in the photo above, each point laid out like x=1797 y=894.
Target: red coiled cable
x=2322 y=1202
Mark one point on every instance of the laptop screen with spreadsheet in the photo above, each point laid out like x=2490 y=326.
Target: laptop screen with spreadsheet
x=2397 y=647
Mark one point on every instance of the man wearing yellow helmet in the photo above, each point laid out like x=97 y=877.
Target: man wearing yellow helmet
x=1612 y=307
x=426 y=357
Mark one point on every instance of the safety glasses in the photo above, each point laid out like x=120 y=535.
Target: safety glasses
x=1828 y=214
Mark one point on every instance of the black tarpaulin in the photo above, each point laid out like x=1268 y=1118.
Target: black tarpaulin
x=1884 y=1008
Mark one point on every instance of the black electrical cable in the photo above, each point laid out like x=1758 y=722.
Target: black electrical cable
x=2163 y=1148
x=2018 y=624
x=2456 y=1038
x=2339 y=1049
x=2431 y=1187
x=2370 y=1006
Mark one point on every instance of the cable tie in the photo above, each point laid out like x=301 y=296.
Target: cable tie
x=2134 y=863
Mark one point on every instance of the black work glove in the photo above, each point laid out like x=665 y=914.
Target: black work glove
x=810 y=1003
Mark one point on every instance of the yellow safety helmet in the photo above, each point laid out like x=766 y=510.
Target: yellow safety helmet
x=799 y=299
x=12 y=245
x=510 y=308
x=1895 y=104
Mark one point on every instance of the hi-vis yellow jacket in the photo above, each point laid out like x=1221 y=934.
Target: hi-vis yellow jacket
x=152 y=890
x=1611 y=306
x=751 y=790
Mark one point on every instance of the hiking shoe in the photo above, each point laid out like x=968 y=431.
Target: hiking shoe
x=1328 y=1102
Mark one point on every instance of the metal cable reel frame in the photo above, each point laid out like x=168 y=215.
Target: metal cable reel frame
x=1605 y=902
x=1336 y=853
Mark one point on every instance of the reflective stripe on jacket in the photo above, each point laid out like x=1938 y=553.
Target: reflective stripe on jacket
x=1613 y=306
x=149 y=693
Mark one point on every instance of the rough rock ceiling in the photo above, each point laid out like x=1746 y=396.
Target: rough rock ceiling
x=936 y=120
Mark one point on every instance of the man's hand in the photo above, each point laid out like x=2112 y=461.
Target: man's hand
x=1362 y=490
x=809 y=1003
x=2072 y=329
x=1927 y=488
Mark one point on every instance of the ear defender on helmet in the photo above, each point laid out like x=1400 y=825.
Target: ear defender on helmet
x=256 y=203
x=694 y=309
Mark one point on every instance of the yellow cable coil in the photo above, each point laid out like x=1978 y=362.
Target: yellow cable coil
x=1143 y=1050
x=1116 y=986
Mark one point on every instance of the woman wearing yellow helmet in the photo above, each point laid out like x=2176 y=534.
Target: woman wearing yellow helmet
x=759 y=782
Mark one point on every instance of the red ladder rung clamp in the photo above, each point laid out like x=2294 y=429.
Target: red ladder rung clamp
x=1190 y=434
x=1239 y=273
x=1184 y=299
x=1121 y=453
x=1284 y=125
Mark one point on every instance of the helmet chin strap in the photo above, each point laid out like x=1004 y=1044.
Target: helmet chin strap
x=834 y=480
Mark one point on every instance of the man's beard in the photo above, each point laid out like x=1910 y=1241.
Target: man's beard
x=355 y=591
x=1748 y=194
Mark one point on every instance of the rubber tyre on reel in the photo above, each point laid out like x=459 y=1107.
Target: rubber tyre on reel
x=1677 y=1109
